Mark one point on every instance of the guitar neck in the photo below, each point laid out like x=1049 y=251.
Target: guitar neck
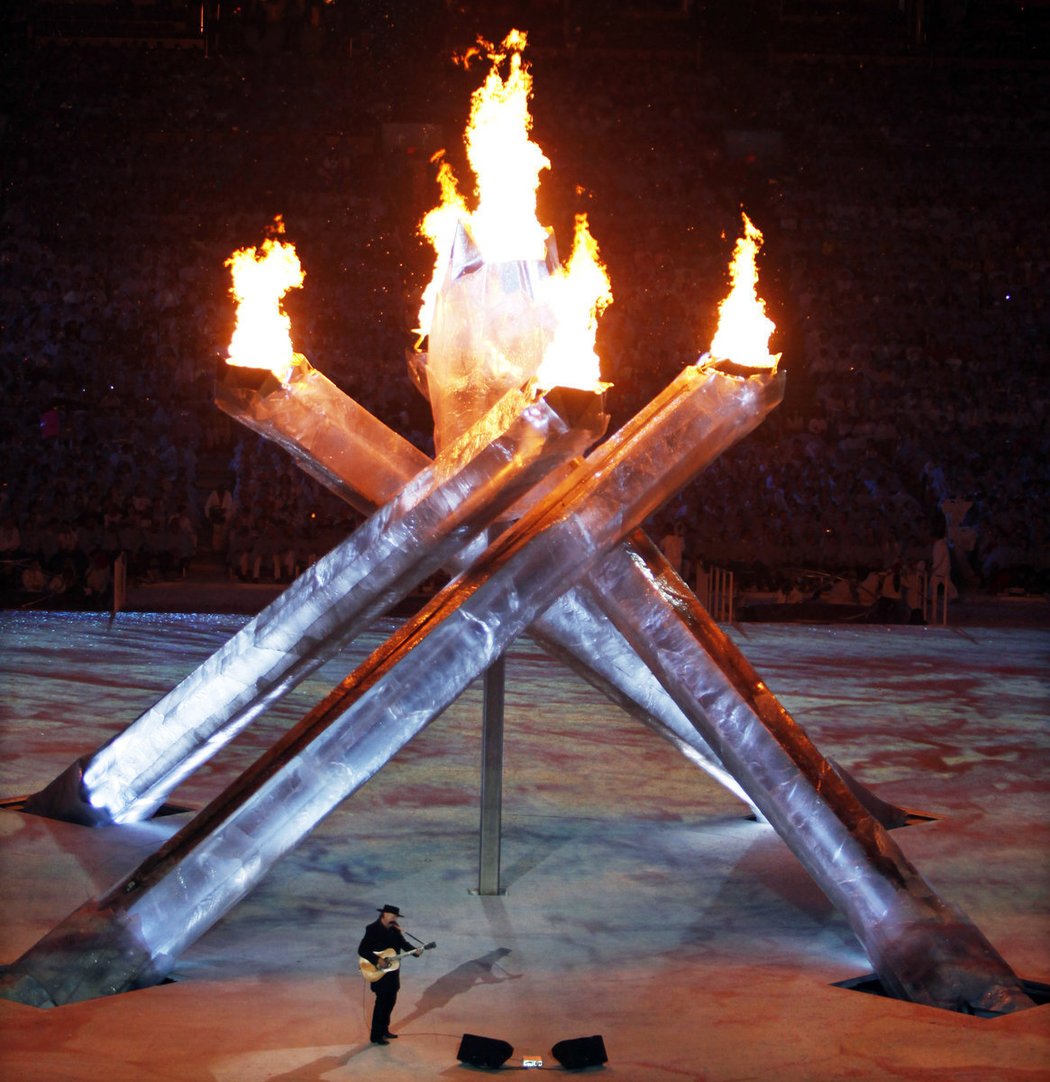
x=411 y=950
x=373 y=971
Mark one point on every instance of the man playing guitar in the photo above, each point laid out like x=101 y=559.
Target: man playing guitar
x=382 y=935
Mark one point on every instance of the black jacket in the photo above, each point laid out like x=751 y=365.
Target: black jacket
x=378 y=938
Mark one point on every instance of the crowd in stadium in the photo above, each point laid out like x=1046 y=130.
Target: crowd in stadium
x=905 y=251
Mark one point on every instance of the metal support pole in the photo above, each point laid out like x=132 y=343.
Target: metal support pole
x=491 y=777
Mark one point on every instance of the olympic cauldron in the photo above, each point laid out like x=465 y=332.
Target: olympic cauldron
x=567 y=563
x=538 y=539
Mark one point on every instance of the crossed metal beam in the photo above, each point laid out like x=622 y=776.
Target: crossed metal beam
x=563 y=571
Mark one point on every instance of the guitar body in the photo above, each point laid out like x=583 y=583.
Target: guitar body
x=373 y=973
x=388 y=961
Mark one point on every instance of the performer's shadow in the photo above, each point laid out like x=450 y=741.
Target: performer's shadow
x=319 y=1068
x=482 y=970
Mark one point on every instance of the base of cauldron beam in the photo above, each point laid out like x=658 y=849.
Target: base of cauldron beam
x=870 y=984
x=18 y=803
x=640 y=902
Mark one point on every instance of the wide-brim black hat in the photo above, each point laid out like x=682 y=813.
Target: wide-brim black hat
x=390 y=909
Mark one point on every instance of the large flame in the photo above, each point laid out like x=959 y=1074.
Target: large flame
x=744 y=328
x=578 y=293
x=507 y=165
x=506 y=162
x=262 y=337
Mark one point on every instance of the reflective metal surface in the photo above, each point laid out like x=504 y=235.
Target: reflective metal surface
x=430 y=521
x=132 y=934
x=922 y=948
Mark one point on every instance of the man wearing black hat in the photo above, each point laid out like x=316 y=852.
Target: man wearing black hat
x=380 y=935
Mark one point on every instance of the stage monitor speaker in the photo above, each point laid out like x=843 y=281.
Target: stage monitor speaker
x=580 y=1052
x=483 y=1051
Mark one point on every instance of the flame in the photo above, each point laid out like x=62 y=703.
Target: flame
x=262 y=337
x=505 y=161
x=577 y=293
x=439 y=227
x=744 y=328
x=506 y=165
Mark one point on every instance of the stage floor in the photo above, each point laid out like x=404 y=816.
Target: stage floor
x=640 y=903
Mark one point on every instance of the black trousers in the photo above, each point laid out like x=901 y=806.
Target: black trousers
x=385 y=990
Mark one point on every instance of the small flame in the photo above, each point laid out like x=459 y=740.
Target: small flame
x=439 y=227
x=577 y=293
x=744 y=328
x=262 y=337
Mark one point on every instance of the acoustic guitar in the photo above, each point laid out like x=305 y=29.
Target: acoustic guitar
x=392 y=959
